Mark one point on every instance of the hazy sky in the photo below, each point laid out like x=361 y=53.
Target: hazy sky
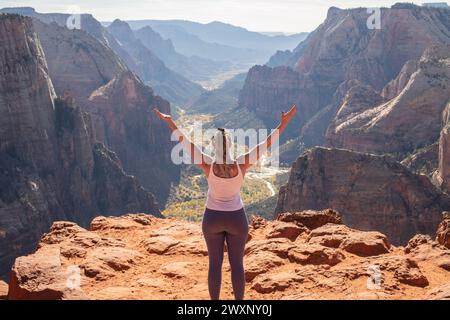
x=257 y=15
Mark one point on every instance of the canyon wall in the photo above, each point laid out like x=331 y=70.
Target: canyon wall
x=341 y=49
x=371 y=192
x=51 y=168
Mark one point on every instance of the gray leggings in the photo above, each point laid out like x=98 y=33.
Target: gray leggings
x=232 y=227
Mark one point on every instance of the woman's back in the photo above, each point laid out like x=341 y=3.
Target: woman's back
x=224 y=186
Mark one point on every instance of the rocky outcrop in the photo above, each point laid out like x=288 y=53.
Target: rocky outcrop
x=396 y=86
x=77 y=62
x=371 y=192
x=443 y=232
x=358 y=99
x=50 y=166
x=424 y=161
x=143 y=257
x=343 y=48
x=123 y=119
x=409 y=121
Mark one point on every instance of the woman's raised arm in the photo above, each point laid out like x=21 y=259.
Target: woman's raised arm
x=200 y=159
x=250 y=158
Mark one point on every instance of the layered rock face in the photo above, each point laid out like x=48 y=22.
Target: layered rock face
x=123 y=119
x=300 y=255
x=77 y=62
x=410 y=120
x=371 y=192
x=343 y=48
x=442 y=175
x=121 y=104
x=424 y=161
x=50 y=166
x=268 y=91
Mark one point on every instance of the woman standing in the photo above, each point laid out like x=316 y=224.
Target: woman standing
x=224 y=218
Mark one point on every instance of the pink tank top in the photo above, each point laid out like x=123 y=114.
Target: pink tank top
x=224 y=193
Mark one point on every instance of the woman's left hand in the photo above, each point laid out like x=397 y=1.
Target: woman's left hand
x=287 y=116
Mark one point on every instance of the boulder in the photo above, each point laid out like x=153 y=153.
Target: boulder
x=280 y=229
x=278 y=246
x=261 y=262
x=269 y=282
x=179 y=269
x=310 y=218
x=41 y=276
x=159 y=244
x=361 y=243
x=314 y=254
x=106 y=262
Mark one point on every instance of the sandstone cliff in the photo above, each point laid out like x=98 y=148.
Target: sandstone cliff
x=409 y=121
x=77 y=62
x=123 y=118
x=343 y=48
x=50 y=166
x=371 y=192
x=442 y=174
x=120 y=103
x=301 y=255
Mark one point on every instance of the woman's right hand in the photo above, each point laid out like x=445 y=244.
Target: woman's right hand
x=162 y=116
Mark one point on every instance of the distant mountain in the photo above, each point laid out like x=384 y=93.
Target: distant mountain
x=230 y=35
x=194 y=68
x=220 y=41
x=137 y=57
x=151 y=69
x=189 y=45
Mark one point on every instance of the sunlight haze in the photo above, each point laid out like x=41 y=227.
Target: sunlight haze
x=257 y=15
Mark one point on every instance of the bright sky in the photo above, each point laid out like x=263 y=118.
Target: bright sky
x=256 y=15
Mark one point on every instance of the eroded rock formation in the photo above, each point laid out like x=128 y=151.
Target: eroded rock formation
x=51 y=168
x=410 y=120
x=143 y=257
x=371 y=192
x=123 y=119
x=343 y=48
